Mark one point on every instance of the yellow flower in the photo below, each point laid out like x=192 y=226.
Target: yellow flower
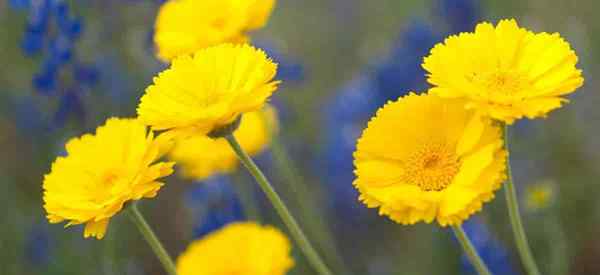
x=423 y=158
x=185 y=26
x=208 y=90
x=504 y=72
x=539 y=195
x=200 y=157
x=238 y=248
x=102 y=172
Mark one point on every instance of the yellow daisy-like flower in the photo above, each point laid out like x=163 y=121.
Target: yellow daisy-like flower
x=423 y=158
x=209 y=90
x=505 y=72
x=102 y=172
x=200 y=157
x=185 y=26
x=238 y=248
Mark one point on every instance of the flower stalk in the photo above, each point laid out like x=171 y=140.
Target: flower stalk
x=155 y=244
x=281 y=209
x=470 y=251
x=515 y=217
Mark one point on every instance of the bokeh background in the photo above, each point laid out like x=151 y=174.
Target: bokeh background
x=66 y=66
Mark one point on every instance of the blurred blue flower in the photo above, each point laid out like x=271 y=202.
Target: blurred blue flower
x=29 y=119
x=460 y=15
x=53 y=31
x=346 y=114
x=218 y=204
x=493 y=253
x=401 y=71
x=37 y=245
x=288 y=69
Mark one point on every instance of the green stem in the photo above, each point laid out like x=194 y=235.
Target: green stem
x=157 y=247
x=470 y=251
x=515 y=217
x=306 y=202
x=284 y=213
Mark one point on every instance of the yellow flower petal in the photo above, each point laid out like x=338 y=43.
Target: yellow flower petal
x=209 y=90
x=102 y=172
x=238 y=248
x=185 y=26
x=504 y=72
x=424 y=158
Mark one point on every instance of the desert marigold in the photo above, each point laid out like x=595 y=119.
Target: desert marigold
x=102 y=172
x=209 y=90
x=423 y=158
x=200 y=156
x=505 y=72
x=238 y=248
x=185 y=26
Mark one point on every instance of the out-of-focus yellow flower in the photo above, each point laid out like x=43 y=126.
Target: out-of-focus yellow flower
x=504 y=72
x=238 y=248
x=200 y=157
x=423 y=158
x=186 y=26
x=208 y=91
x=102 y=172
x=539 y=195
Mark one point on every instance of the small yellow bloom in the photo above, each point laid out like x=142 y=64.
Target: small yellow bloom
x=238 y=248
x=505 y=72
x=208 y=90
x=539 y=195
x=423 y=158
x=186 y=26
x=102 y=172
x=200 y=157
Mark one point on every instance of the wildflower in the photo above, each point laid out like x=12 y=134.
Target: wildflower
x=539 y=195
x=423 y=158
x=102 y=172
x=505 y=72
x=254 y=135
x=186 y=26
x=209 y=90
x=238 y=248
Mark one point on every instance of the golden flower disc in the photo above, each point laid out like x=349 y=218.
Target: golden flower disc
x=185 y=26
x=208 y=90
x=504 y=72
x=102 y=172
x=423 y=158
x=238 y=249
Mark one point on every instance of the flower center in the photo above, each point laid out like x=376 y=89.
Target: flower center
x=432 y=167
x=501 y=83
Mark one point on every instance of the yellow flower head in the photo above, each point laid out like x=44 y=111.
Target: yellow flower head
x=185 y=26
x=504 y=72
x=238 y=248
x=102 y=172
x=423 y=158
x=209 y=90
x=539 y=195
x=200 y=157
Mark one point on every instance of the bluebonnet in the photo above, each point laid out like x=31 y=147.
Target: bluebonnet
x=459 y=15
x=289 y=70
x=345 y=116
x=37 y=245
x=492 y=252
x=401 y=72
x=52 y=32
x=216 y=204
